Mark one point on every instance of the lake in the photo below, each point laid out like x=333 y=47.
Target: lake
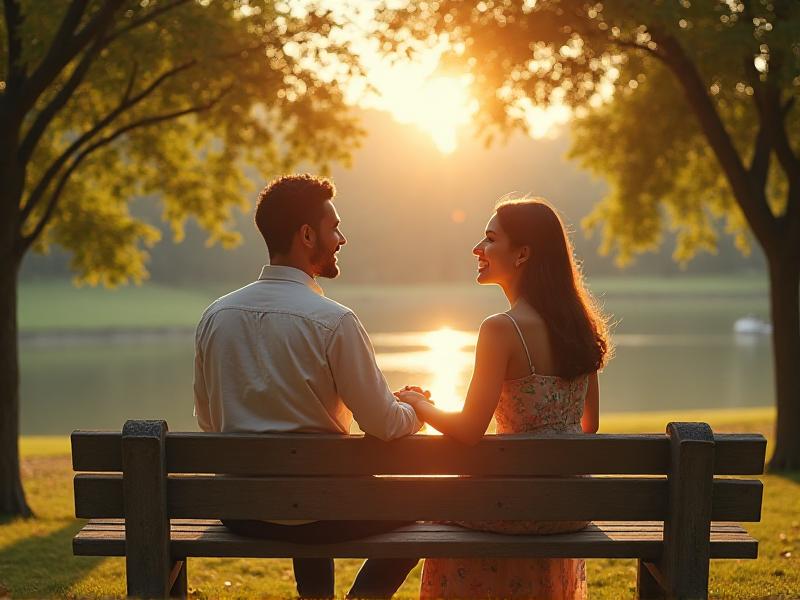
x=673 y=351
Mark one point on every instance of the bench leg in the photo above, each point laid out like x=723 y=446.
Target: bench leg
x=647 y=586
x=687 y=525
x=179 y=586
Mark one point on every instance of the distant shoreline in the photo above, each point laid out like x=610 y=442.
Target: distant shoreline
x=58 y=312
x=105 y=334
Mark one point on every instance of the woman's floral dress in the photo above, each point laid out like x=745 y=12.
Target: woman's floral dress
x=532 y=404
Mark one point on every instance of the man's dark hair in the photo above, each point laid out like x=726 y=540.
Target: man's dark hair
x=288 y=203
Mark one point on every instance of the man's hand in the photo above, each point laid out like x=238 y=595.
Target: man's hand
x=412 y=396
x=415 y=388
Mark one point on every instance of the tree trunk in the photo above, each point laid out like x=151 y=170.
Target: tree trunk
x=12 y=497
x=784 y=272
x=12 y=177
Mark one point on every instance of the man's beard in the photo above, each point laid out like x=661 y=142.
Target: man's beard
x=326 y=263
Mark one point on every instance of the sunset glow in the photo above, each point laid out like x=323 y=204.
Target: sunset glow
x=439 y=106
x=448 y=363
x=440 y=361
x=418 y=91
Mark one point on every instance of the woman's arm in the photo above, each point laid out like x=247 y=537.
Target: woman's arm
x=491 y=358
x=590 y=421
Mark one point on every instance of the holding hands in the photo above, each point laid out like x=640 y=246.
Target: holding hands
x=413 y=395
x=419 y=399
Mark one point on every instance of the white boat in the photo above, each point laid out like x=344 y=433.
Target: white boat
x=752 y=325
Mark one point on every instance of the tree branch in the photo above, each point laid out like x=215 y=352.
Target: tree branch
x=635 y=46
x=759 y=165
x=125 y=103
x=752 y=201
x=763 y=146
x=44 y=118
x=591 y=31
x=48 y=113
x=16 y=69
x=69 y=24
x=773 y=116
x=792 y=215
x=788 y=106
x=145 y=19
x=131 y=81
x=65 y=47
x=26 y=241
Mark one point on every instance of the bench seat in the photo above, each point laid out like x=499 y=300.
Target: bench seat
x=609 y=539
x=666 y=500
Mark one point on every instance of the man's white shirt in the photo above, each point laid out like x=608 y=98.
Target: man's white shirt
x=278 y=356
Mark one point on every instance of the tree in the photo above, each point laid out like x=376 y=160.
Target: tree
x=104 y=101
x=686 y=108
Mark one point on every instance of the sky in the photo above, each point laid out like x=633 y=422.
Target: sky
x=418 y=92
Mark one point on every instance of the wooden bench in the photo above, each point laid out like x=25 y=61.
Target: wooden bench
x=152 y=497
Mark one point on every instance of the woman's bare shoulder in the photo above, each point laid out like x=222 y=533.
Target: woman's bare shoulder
x=496 y=327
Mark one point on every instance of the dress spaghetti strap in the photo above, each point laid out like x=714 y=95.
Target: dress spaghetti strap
x=522 y=339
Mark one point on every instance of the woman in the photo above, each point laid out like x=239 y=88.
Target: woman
x=535 y=371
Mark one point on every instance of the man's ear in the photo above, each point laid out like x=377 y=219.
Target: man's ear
x=308 y=237
x=523 y=255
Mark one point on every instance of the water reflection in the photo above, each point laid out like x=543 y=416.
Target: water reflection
x=439 y=361
x=436 y=360
x=98 y=383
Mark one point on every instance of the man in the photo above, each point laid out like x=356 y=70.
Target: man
x=278 y=356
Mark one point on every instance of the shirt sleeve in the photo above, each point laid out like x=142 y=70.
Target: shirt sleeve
x=362 y=387
x=201 y=407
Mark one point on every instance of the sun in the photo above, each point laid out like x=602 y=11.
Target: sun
x=439 y=105
x=415 y=92
x=421 y=90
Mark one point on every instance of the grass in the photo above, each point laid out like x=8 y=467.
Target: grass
x=59 y=306
x=709 y=285
x=36 y=559
x=54 y=306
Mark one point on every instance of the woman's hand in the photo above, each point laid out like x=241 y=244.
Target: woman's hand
x=412 y=397
x=414 y=388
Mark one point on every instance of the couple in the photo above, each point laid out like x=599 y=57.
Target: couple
x=278 y=356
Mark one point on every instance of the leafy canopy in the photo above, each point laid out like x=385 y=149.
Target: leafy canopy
x=634 y=125
x=183 y=102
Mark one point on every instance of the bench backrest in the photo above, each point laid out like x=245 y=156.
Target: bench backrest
x=325 y=476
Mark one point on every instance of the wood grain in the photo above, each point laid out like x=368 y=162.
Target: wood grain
x=418 y=498
x=599 y=540
x=329 y=454
x=144 y=494
x=651 y=497
x=684 y=564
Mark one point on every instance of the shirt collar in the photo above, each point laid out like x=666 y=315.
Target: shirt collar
x=281 y=273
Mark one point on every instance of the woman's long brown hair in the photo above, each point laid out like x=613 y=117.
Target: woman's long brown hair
x=553 y=285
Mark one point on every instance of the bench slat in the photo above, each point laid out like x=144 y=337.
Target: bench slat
x=95 y=530
x=329 y=454
x=212 y=526
x=417 y=498
x=598 y=540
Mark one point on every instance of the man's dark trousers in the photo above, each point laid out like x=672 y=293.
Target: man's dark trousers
x=378 y=578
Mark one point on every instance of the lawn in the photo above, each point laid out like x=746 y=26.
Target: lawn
x=36 y=557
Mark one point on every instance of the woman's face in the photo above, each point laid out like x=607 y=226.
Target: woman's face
x=496 y=255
